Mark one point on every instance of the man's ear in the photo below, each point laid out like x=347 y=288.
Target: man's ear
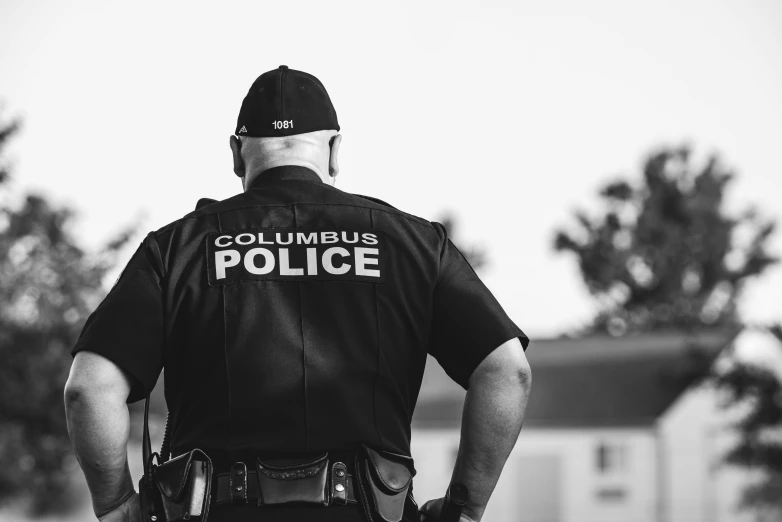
x=334 y=150
x=236 y=150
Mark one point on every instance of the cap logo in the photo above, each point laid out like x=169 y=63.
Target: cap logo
x=243 y=129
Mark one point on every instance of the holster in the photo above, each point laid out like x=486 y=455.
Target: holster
x=179 y=489
x=385 y=485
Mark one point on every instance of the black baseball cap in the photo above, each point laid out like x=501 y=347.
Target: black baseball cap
x=283 y=102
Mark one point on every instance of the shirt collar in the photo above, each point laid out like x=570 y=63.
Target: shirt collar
x=285 y=173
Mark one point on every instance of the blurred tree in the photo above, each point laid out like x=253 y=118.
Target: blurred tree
x=664 y=253
x=6 y=131
x=48 y=287
x=476 y=256
x=759 y=429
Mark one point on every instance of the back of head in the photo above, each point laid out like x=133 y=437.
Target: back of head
x=286 y=119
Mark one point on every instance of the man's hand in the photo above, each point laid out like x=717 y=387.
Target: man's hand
x=128 y=511
x=430 y=512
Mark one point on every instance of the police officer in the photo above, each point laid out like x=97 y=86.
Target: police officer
x=293 y=321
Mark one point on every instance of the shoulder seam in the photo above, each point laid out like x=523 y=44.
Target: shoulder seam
x=418 y=221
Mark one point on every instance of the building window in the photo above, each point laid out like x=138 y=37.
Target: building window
x=616 y=494
x=610 y=458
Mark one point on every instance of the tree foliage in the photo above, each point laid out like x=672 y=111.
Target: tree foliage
x=48 y=287
x=663 y=252
x=759 y=429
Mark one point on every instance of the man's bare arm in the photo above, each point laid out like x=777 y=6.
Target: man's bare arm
x=99 y=425
x=493 y=412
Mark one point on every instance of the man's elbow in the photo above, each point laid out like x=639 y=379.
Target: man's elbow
x=80 y=399
x=80 y=396
x=518 y=371
x=506 y=364
x=95 y=379
x=524 y=373
x=79 y=392
x=73 y=395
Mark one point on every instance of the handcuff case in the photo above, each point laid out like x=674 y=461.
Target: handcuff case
x=286 y=480
x=384 y=479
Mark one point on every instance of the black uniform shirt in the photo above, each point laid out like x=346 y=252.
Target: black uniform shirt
x=295 y=317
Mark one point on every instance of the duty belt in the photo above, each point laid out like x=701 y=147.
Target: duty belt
x=241 y=485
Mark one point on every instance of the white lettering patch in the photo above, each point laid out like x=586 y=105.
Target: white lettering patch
x=287 y=254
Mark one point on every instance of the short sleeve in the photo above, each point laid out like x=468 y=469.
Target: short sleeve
x=468 y=322
x=128 y=326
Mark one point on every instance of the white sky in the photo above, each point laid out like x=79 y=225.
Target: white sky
x=510 y=114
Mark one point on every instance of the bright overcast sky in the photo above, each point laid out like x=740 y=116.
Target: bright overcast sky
x=510 y=114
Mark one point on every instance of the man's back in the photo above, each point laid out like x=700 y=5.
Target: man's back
x=304 y=357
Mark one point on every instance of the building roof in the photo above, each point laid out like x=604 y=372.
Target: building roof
x=593 y=381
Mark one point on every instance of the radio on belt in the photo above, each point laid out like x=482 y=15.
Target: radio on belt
x=240 y=256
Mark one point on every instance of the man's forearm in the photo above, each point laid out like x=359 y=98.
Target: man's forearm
x=493 y=413
x=98 y=426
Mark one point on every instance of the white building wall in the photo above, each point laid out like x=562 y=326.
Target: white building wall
x=673 y=471
x=577 y=484
x=695 y=435
x=434 y=453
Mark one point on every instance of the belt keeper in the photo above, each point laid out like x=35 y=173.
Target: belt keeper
x=238 y=483
x=339 y=483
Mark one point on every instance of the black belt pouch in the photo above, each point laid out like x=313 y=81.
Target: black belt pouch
x=384 y=481
x=168 y=489
x=300 y=480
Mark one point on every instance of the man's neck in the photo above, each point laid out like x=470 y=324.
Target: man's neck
x=258 y=170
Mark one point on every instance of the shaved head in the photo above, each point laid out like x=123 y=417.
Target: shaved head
x=314 y=150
